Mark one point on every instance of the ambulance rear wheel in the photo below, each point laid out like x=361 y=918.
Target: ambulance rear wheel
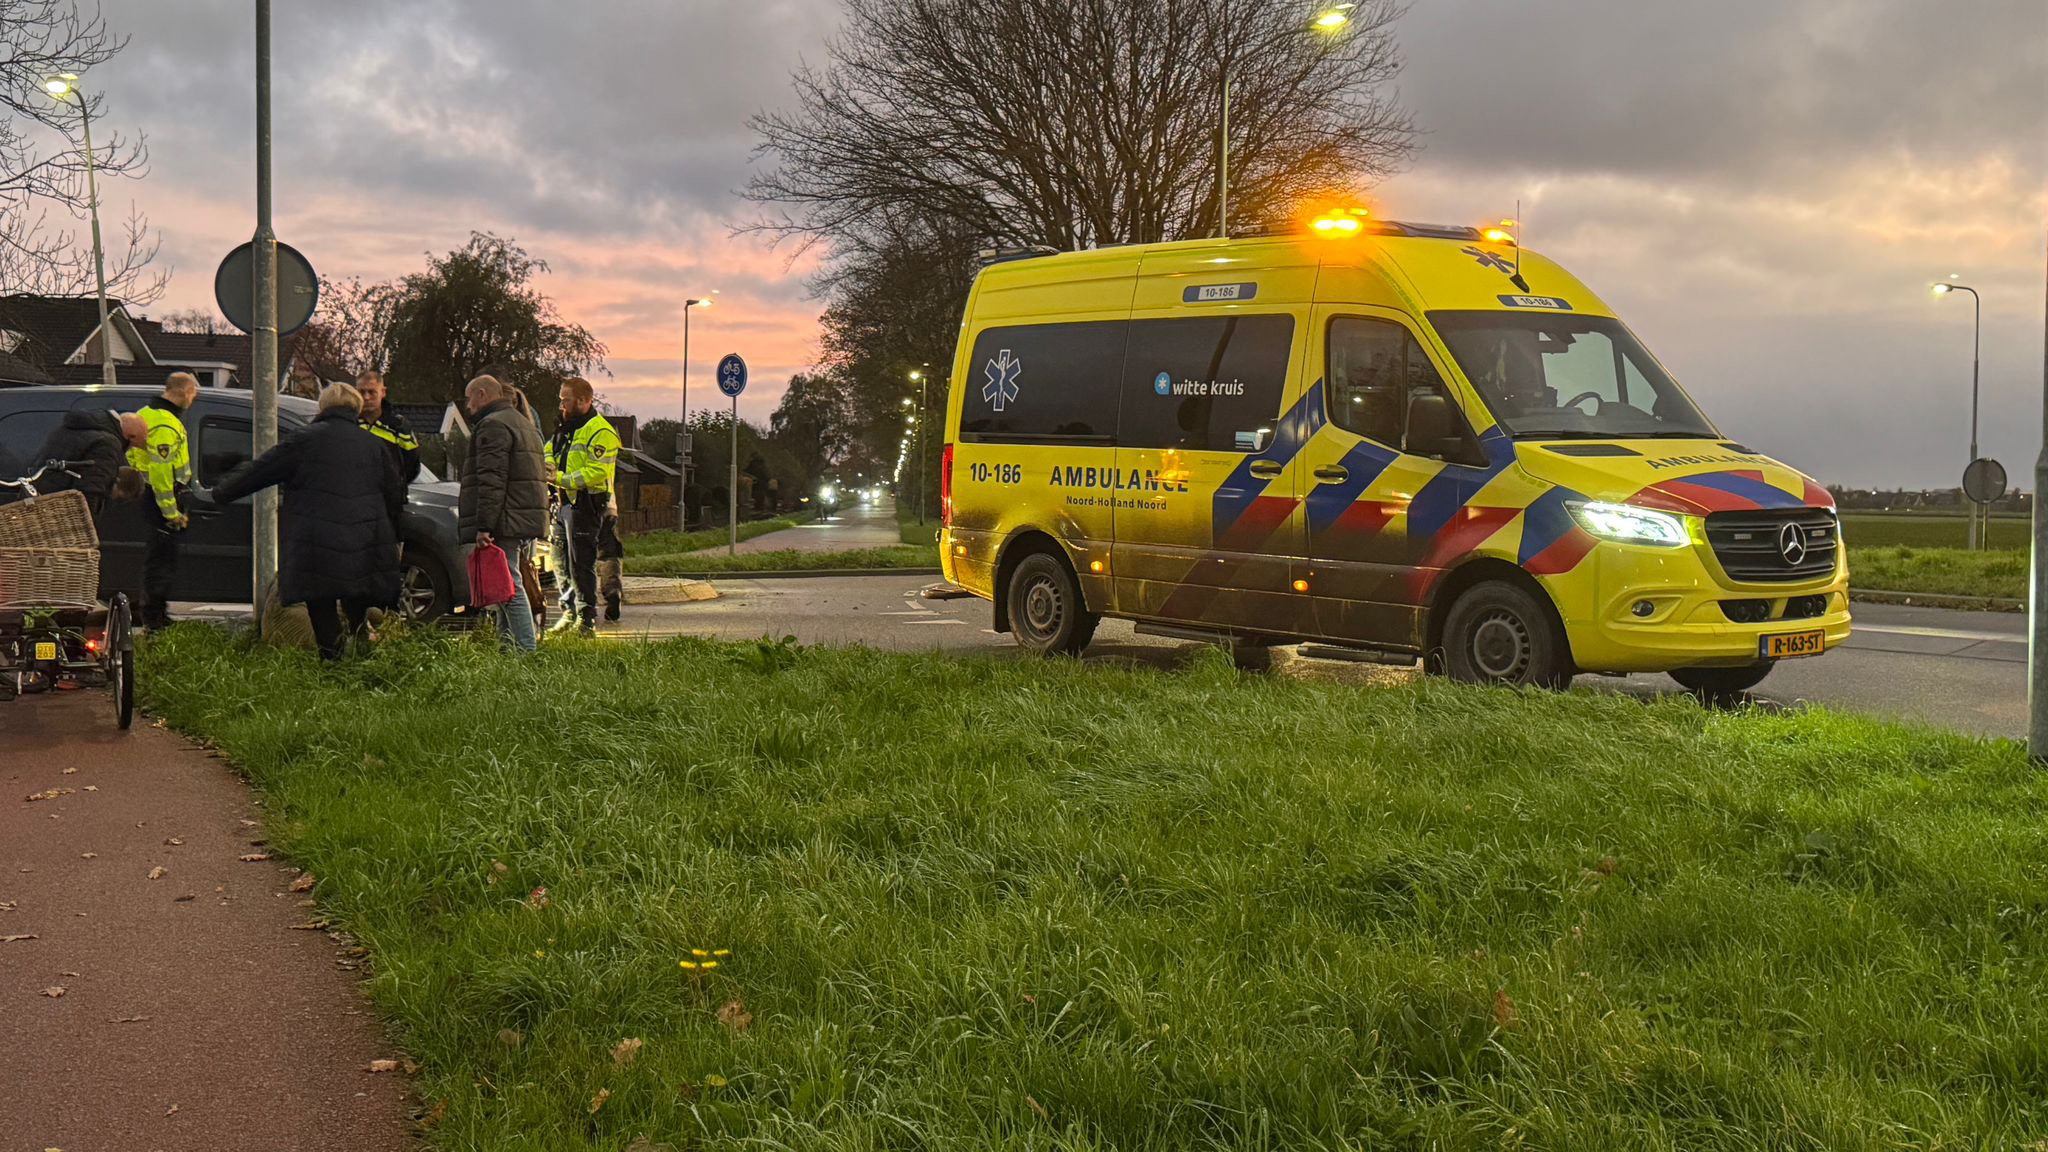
x=1500 y=633
x=1047 y=613
x=1722 y=686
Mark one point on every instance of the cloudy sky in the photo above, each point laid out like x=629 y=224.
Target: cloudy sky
x=1763 y=188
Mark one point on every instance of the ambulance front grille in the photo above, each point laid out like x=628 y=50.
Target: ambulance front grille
x=1775 y=546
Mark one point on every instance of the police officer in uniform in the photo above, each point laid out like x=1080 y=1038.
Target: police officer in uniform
x=585 y=452
x=390 y=427
x=165 y=459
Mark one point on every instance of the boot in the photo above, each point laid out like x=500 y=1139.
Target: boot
x=589 y=627
x=611 y=607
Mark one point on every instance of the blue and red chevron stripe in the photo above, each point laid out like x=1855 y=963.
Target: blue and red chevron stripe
x=1242 y=513
x=1733 y=491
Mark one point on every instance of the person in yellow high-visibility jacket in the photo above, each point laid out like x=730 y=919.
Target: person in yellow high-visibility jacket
x=585 y=453
x=165 y=460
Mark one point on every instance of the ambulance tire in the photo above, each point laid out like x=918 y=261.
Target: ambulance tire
x=1501 y=633
x=1722 y=687
x=1047 y=613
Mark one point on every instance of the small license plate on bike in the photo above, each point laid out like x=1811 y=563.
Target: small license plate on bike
x=1791 y=645
x=46 y=650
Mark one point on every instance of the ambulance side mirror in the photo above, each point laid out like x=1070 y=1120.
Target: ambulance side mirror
x=1433 y=427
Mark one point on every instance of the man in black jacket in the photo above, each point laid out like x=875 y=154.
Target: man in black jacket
x=92 y=442
x=504 y=497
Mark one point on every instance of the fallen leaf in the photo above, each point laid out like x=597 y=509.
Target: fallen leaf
x=10 y=905
x=88 y=855
x=304 y=883
x=310 y=926
x=253 y=857
x=69 y=771
x=714 y=1081
x=624 y=1051
x=498 y=866
x=734 y=1015
x=308 y=903
x=434 y=1117
x=159 y=872
x=185 y=899
x=1037 y=1107
x=49 y=794
x=92 y=787
x=171 y=1111
x=1503 y=1008
x=538 y=898
x=248 y=823
x=510 y=1037
x=127 y=1019
x=383 y=1065
x=409 y=1068
x=173 y=841
x=54 y=992
x=12 y=939
x=597 y=1101
x=1606 y=866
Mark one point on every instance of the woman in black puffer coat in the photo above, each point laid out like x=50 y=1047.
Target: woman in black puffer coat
x=339 y=524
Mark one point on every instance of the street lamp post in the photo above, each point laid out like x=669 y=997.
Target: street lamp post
x=683 y=460
x=61 y=87
x=920 y=420
x=263 y=340
x=1976 y=361
x=1329 y=20
x=2037 y=595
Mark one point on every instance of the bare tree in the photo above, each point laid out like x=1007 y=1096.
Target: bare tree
x=195 y=321
x=346 y=335
x=1078 y=122
x=43 y=187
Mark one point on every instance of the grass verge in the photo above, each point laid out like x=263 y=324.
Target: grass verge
x=998 y=904
x=660 y=543
x=783 y=560
x=1930 y=530
x=1950 y=571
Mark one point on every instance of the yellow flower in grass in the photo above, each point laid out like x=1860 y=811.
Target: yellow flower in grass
x=537 y=954
x=690 y=965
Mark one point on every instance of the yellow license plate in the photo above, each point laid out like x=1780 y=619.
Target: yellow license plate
x=1792 y=645
x=45 y=650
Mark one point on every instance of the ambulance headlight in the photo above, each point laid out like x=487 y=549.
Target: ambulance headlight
x=1630 y=525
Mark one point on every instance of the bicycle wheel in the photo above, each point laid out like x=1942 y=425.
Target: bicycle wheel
x=119 y=653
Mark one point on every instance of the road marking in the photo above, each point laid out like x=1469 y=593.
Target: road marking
x=913 y=612
x=1939 y=633
x=941 y=620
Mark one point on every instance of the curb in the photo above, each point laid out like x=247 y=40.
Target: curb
x=801 y=573
x=1938 y=600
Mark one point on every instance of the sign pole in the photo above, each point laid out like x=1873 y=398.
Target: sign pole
x=732 y=488
x=2037 y=596
x=263 y=389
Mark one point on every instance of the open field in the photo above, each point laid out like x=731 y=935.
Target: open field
x=1949 y=571
x=1009 y=904
x=1929 y=530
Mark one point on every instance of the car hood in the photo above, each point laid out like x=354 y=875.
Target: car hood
x=435 y=493
x=1693 y=477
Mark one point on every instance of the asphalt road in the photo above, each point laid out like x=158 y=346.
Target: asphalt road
x=1960 y=670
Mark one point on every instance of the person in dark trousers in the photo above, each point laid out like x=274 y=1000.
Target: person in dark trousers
x=391 y=427
x=165 y=457
x=586 y=458
x=92 y=442
x=504 y=497
x=338 y=525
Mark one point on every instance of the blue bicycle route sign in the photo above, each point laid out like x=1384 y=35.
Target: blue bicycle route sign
x=732 y=374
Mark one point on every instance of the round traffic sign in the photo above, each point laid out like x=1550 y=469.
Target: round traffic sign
x=298 y=288
x=1984 y=480
x=732 y=374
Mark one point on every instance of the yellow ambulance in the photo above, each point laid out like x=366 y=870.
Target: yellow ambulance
x=1418 y=440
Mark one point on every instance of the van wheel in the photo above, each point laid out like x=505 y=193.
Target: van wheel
x=1499 y=633
x=1722 y=686
x=1047 y=613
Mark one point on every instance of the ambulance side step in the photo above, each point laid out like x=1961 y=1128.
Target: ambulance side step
x=1205 y=635
x=1389 y=656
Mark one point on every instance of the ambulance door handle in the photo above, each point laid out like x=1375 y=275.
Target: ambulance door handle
x=1333 y=474
x=1267 y=469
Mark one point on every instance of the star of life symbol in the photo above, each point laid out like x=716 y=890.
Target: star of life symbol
x=1487 y=259
x=1002 y=373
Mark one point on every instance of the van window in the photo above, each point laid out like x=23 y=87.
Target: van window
x=1375 y=366
x=21 y=437
x=224 y=445
x=1044 y=383
x=1555 y=376
x=1210 y=383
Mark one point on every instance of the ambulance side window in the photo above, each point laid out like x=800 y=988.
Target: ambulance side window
x=1204 y=383
x=1374 y=368
x=1044 y=384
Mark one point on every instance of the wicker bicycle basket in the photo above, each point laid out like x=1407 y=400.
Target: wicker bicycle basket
x=49 y=552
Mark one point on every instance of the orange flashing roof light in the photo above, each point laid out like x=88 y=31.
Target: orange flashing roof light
x=1341 y=222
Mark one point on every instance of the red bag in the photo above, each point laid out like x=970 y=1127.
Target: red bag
x=490 y=577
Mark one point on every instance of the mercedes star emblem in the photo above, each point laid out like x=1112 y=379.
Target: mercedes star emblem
x=1792 y=544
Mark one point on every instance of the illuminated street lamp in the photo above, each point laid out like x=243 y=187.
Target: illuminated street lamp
x=1329 y=22
x=64 y=89
x=1943 y=288
x=682 y=458
x=917 y=377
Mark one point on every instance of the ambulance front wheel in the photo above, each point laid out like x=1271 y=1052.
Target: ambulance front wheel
x=1501 y=633
x=1047 y=613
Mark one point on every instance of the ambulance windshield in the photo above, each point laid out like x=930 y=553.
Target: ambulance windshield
x=1551 y=375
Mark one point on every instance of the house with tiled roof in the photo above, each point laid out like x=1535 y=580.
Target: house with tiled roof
x=57 y=340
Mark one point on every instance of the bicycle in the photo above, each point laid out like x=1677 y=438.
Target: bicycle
x=55 y=634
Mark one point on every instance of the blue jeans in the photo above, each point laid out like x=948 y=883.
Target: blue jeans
x=515 y=617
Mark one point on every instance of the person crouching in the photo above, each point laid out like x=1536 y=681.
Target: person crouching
x=338 y=523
